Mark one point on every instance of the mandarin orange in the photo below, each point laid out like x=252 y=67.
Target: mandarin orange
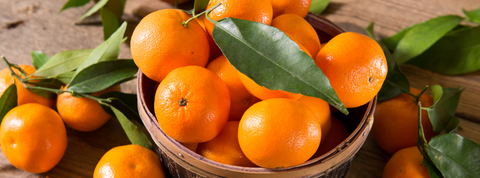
x=240 y=98
x=356 y=67
x=33 y=137
x=279 y=132
x=192 y=104
x=161 y=43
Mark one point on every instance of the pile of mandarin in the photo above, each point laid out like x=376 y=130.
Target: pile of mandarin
x=203 y=102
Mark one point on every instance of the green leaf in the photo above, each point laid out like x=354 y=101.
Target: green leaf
x=456 y=53
x=106 y=51
x=39 y=59
x=445 y=103
x=65 y=77
x=271 y=59
x=111 y=15
x=74 y=3
x=125 y=102
x=110 y=22
x=94 y=9
x=45 y=83
x=8 y=100
x=453 y=125
x=199 y=5
x=396 y=82
x=473 y=16
x=62 y=62
x=134 y=134
x=318 y=6
x=454 y=155
x=422 y=36
x=392 y=41
x=102 y=75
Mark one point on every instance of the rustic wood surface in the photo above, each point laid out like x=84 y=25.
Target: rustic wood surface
x=27 y=25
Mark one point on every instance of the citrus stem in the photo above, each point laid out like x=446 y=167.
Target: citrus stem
x=421 y=136
x=185 y=23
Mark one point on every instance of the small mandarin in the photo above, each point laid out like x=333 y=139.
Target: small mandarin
x=240 y=98
x=192 y=104
x=299 y=29
x=298 y=7
x=161 y=43
x=252 y=10
x=355 y=66
x=225 y=147
x=264 y=93
x=406 y=163
x=396 y=121
x=322 y=110
x=81 y=113
x=278 y=133
x=33 y=137
x=129 y=161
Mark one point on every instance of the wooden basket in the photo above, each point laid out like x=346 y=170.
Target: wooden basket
x=184 y=163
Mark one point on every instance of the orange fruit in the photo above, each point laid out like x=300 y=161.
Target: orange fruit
x=5 y=80
x=23 y=95
x=81 y=113
x=299 y=7
x=355 y=65
x=33 y=137
x=192 y=104
x=240 y=98
x=299 y=29
x=190 y=146
x=338 y=133
x=396 y=121
x=264 y=93
x=214 y=49
x=252 y=10
x=322 y=110
x=160 y=43
x=129 y=161
x=278 y=133
x=406 y=163
x=225 y=147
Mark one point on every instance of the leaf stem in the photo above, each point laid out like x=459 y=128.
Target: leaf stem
x=185 y=23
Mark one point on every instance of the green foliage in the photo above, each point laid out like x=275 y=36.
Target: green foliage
x=87 y=71
x=111 y=12
x=473 y=16
x=134 y=134
x=62 y=62
x=318 y=6
x=422 y=36
x=8 y=100
x=454 y=155
x=39 y=59
x=456 y=53
x=445 y=102
x=270 y=58
x=73 y=3
x=108 y=50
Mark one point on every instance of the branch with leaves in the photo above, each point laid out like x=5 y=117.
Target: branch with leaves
x=433 y=45
x=84 y=72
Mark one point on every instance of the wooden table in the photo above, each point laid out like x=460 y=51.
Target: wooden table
x=27 y=25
